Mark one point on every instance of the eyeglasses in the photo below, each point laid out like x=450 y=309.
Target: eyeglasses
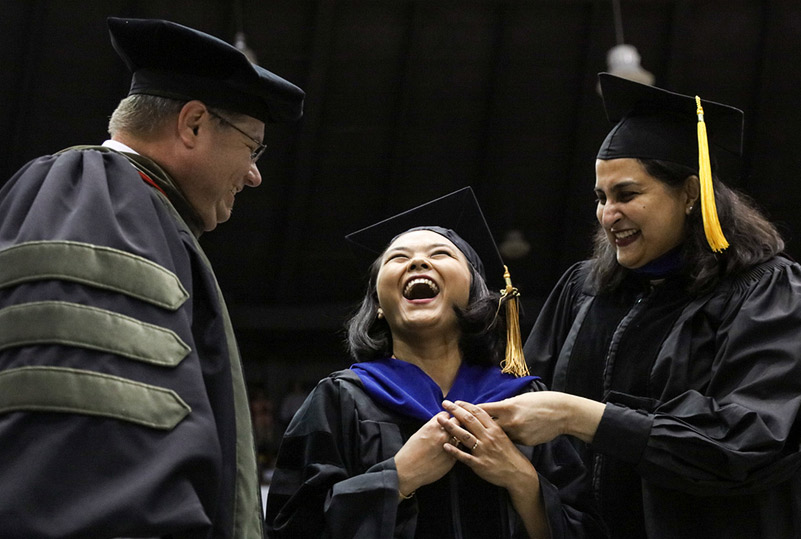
x=254 y=154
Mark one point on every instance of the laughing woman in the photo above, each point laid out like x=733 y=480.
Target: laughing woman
x=372 y=453
x=674 y=350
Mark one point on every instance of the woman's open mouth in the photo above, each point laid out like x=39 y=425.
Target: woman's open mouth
x=420 y=288
x=626 y=237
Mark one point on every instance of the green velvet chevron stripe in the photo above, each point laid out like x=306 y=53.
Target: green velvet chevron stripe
x=101 y=267
x=58 y=389
x=71 y=324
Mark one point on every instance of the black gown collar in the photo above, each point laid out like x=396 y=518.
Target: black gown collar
x=667 y=265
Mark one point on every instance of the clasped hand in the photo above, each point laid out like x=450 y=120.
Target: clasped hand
x=485 y=447
x=468 y=435
x=421 y=460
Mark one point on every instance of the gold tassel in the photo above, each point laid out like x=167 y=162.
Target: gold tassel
x=514 y=362
x=714 y=235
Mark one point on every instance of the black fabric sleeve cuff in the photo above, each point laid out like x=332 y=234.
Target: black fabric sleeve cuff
x=623 y=433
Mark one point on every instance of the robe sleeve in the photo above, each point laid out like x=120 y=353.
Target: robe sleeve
x=738 y=431
x=565 y=489
x=566 y=493
x=319 y=489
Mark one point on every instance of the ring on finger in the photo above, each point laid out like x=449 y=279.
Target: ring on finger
x=474 y=446
x=456 y=441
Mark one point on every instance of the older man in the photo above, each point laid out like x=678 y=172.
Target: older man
x=122 y=403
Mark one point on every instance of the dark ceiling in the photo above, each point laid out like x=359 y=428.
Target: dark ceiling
x=408 y=100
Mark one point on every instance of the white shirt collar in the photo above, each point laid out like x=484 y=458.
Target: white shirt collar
x=119 y=146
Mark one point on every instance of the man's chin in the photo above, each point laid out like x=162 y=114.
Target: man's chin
x=222 y=217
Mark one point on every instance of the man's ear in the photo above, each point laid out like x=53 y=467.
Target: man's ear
x=191 y=119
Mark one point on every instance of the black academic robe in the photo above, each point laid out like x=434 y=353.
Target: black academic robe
x=701 y=432
x=336 y=478
x=122 y=403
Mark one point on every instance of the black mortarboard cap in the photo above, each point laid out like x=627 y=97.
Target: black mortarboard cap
x=457 y=216
x=171 y=60
x=652 y=123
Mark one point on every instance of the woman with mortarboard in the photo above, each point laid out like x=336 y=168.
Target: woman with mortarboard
x=372 y=454
x=675 y=349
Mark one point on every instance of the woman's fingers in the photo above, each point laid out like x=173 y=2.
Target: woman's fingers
x=459 y=437
x=499 y=410
x=469 y=424
x=459 y=453
x=469 y=415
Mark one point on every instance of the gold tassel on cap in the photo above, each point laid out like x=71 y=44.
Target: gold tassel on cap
x=514 y=362
x=714 y=235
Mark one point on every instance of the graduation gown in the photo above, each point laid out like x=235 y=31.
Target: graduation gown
x=122 y=403
x=336 y=478
x=700 y=435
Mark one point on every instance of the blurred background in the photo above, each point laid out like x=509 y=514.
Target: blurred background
x=408 y=100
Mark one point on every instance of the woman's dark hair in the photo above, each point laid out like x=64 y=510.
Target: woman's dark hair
x=483 y=327
x=752 y=238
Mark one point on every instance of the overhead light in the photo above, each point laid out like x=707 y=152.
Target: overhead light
x=239 y=43
x=514 y=245
x=239 y=38
x=623 y=60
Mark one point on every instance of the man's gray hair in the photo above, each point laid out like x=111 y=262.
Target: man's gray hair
x=143 y=115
